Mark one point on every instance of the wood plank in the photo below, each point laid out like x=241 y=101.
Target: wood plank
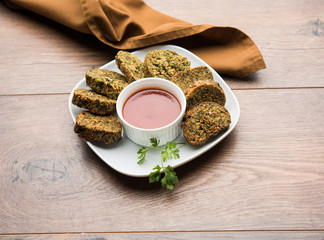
x=291 y=235
x=41 y=56
x=45 y=57
x=267 y=175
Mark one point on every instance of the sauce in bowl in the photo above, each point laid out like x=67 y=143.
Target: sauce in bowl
x=151 y=108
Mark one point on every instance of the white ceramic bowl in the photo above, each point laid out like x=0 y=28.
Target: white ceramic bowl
x=142 y=136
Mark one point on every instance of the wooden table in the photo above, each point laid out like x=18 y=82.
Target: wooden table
x=264 y=181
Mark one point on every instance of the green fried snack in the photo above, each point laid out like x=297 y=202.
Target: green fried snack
x=91 y=127
x=203 y=121
x=164 y=63
x=132 y=67
x=204 y=91
x=106 y=82
x=186 y=78
x=94 y=102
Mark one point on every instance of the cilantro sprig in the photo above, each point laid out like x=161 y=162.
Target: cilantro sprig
x=166 y=175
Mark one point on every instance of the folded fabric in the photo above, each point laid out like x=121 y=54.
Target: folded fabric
x=132 y=24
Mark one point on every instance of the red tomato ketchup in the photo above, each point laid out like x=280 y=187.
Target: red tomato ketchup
x=151 y=108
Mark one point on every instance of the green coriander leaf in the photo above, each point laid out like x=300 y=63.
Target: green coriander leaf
x=170 y=178
x=142 y=154
x=141 y=160
x=175 y=153
x=171 y=145
x=156 y=175
x=170 y=151
x=155 y=142
x=166 y=155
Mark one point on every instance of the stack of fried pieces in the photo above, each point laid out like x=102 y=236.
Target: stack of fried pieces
x=206 y=115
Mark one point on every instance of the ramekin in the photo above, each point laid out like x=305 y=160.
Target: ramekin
x=164 y=134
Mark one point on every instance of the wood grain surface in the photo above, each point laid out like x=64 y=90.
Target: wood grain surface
x=264 y=181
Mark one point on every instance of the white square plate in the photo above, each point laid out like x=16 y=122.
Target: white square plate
x=122 y=156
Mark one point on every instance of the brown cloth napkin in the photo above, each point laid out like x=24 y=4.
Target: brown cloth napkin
x=131 y=24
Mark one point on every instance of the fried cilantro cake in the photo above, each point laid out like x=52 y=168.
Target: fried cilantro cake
x=164 y=63
x=186 y=78
x=130 y=65
x=91 y=127
x=203 y=121
x=106 y=82
x=94 y=102
x=204 y=91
